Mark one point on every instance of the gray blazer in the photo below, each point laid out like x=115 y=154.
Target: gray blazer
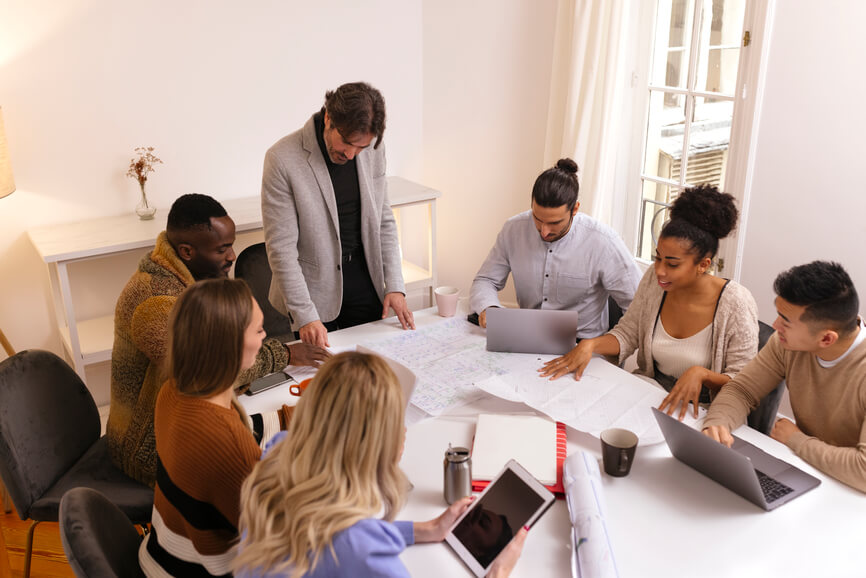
x=302 y=230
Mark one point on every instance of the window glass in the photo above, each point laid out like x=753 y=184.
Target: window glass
x=719 y=49
x=664 y=133
x=654 y=213
x=691 y=104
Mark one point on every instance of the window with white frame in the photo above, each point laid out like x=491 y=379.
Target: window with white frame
x=692 y=88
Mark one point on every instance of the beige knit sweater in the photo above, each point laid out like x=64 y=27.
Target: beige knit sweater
x=829 y=406
x=735 y=328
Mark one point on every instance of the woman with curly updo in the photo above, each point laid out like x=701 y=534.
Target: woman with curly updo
x=693 y=331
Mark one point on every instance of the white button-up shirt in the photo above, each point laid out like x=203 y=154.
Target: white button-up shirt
x=576 y=272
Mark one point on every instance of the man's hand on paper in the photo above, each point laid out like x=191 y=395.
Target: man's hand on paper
x=435 y=530
x=314 y=332
x=575 y=360
x=307 y=354
x=719 y=433
x=397 y=302
x=687 y=389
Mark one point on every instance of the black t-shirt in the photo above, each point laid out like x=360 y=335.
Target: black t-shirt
x=347 y=193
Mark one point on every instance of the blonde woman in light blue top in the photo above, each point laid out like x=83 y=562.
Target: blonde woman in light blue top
x=323 y=500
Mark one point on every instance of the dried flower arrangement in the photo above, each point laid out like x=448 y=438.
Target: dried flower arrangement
x=141 y=166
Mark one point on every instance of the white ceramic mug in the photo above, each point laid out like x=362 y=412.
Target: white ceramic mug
x=446 y=300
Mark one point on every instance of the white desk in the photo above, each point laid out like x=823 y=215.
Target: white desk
x=665 y=519
x=90 y=341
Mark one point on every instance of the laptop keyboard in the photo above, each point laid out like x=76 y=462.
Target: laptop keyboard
x=773 y=489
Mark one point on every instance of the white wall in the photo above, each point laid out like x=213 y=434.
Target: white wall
x=210 y=84
x=808 y=197
x=487 y=68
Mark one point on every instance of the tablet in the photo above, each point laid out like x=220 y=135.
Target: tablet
x=512 y=500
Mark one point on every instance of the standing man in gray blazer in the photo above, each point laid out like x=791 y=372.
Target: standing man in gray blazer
x=330 y=233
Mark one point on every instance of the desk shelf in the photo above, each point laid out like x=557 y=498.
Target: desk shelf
x=415 y=276
x=90 y=341
x=95 y=338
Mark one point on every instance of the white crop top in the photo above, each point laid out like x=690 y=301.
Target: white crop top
x=674 y=356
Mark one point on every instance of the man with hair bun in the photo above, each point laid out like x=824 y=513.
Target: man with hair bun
x=819 y=349
x=329 y=230
x=558 y=258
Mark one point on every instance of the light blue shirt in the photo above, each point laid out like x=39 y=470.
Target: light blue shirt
x=577 y=272
x=370 y=548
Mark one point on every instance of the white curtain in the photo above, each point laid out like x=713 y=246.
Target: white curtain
x=587 y=96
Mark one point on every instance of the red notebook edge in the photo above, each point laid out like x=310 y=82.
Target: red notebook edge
x=561 y=454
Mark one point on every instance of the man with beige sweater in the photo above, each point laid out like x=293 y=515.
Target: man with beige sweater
x=819 y=350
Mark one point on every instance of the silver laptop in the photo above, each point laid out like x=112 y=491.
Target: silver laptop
x=744 y=469
x=545 y=331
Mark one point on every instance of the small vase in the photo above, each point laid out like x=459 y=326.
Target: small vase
x=144 y=210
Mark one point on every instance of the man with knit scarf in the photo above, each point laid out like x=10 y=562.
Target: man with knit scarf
x=197 y=244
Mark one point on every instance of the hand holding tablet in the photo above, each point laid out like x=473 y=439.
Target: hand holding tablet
x=512 y=501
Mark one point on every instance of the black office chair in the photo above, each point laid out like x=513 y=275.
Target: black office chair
x=763 y=417
x=252 y=266
x=614 y=313
x=50 y=443
x=98 y=539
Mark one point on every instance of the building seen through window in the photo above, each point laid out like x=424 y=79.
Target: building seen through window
x=692 y=85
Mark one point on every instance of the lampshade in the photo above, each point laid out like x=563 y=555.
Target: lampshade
x=7 y=183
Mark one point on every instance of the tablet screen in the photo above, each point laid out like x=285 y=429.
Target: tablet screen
x=496 y=517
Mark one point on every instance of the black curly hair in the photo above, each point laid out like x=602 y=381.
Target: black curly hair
x=193 y=210
x=702 y=216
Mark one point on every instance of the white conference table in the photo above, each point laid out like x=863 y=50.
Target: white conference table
x=664 y=519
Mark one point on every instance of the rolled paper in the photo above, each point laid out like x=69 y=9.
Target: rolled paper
x=592 y=556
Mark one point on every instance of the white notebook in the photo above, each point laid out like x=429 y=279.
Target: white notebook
x=528 y=439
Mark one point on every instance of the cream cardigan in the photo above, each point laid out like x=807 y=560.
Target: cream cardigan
x=735 y=328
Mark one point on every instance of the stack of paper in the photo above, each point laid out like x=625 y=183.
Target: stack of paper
x=528 y=439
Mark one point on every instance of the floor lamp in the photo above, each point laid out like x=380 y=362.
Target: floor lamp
x=7 y=186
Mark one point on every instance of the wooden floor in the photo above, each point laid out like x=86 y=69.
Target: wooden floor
x=48 y=557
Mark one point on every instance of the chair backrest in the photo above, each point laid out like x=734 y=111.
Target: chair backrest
x=99 y=540
x=614 y=312
x=763 y=417
x=47 y=421
x=764 y=333
x=252 y=266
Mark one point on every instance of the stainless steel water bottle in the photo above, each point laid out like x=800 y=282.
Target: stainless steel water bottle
x=458 y=474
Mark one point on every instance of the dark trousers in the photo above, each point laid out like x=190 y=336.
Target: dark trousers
x=361 y=303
